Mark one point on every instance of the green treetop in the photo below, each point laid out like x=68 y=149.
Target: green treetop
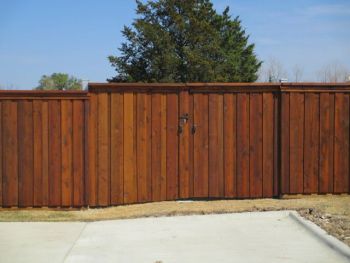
x=59 y=81
x=184 y=41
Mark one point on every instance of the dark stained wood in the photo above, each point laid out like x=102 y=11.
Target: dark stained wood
x=311 y=147
x=25 y=153
x=216 y=169
x=268 y=144
x=45 y=145
x=243 y=145
x=326 y=142
x=201 y=145
x=10 y=156
x=230 y=145
x=341 y=143
x=92 y=179
x=296 y=150
x=38 y=152
x=172 y=161
x=130 y=177
x=143 y=131
x=256 y=145
x=103 y=166
x=185 y=150
x=285 y=146
x=78 y=153
x=117 y=148
x=156 y=147
x=67 y=152
x=163 y=134
x=55 y=153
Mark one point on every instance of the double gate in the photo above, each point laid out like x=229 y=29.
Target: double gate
x=166 y=142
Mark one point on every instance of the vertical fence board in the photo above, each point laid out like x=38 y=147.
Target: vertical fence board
x=243 y=145
x=54 y=153
x=117 y=148
x=285 y=143
x=67 y=146
x=156 y=147
x=163 y=134
x=216 y=155
x=130 y=177
x=230 y=144
x=311 y=148
x=103 y=150
x=256 y=145
x=326 y=142
x=201 y=145
x=143 y=175
x=45 y=151
x=296 y=142
x=93 y=152
x=78 y=153
x=172 y=161
x=185 y=151
x=25 y=153
x=10 y=157
x=268 y=144
x=38 y=153
x=341 y=143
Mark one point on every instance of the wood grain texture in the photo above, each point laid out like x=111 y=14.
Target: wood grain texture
x=163 y=136
x=201 y=146
x=296 y=141
x=103 y=168
x=230 y=145
x=268 y=144
x=117 y=148
x=67 y=153
x=25 y=153
x=311 y=147
x=55 y=188
x=326 y=142
x=78 y=153
x=10 y=154
x=216 y=154
x=45 y=145
x=185 y=150
x=130 y=177
x=256 y=145
x=285 y=144
x=172 y=150
x=92 y=179
x=156 y=147
x=341 y=143
x=243 y=145
x=38 y=153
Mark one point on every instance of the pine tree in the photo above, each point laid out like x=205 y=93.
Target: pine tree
x=184 y=41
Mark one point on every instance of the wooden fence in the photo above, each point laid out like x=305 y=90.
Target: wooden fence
x=42 y=137
x=134 y=143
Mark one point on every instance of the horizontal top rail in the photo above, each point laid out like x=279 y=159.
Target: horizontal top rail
x=43 y=94
x=220 y=87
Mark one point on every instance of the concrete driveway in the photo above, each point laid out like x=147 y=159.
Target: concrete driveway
x=243 y=237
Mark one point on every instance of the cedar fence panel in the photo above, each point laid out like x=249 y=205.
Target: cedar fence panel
x=42 y=145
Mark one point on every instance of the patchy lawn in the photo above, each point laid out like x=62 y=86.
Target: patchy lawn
x=332 y=213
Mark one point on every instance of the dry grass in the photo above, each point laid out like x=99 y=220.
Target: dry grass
x=330 y=212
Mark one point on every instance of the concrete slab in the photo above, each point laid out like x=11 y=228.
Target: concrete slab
x=244 y=237
x=37 y=242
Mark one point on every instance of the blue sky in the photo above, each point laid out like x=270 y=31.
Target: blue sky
x=40 y=37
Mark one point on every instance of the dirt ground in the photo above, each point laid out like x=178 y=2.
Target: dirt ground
x=332 y=213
